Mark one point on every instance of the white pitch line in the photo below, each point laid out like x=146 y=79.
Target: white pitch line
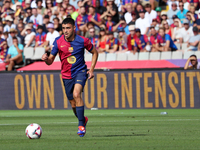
x=104 y=121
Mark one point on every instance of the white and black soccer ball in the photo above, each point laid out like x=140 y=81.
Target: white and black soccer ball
x=33 y=131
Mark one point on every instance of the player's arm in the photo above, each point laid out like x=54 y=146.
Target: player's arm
x=94 y=61
x=48 y=59
x=166 y=47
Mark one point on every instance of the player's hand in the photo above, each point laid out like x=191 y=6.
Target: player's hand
x=91 y=74
x=44 y=56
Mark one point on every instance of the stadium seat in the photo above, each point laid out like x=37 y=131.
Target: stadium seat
x=132 y=56
x=88 y=57
x=187 y=54
x=166 y=55
x=177 y=55
x=144 y=56
x=102 y=57
x=178 y=45
x=28 y=52
x=39 y=51
x=197 y=53
x=57 y=58
x=154 y=56
x=121 y=56
x=111 y=57
x=184 y=46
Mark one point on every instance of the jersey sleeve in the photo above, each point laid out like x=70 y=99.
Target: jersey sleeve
x=54 y=50
x=116 y=42
x=88 y=44
x=98 y=17
x=146 y=39
x=167 y=37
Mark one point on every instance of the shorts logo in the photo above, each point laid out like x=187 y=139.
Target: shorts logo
x=79 y=80
x=71 y=49
x=71 y=59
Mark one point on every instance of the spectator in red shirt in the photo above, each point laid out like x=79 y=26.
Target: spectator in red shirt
x=131 y=39
x=153 y=39
x=40 y=37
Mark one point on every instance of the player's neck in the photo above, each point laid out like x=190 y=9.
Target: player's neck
x=70 y=39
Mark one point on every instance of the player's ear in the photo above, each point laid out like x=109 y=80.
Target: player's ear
x=74 y=28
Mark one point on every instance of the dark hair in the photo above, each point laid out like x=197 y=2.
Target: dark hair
x=7 y=2
x=91 y=7
x=40 y=27
x=90 y=23
x=57 y=19
x=68 y=21
x=147 y=5
x=15 y=38
x=29 y=8
x=38 y=1
x=193 y=56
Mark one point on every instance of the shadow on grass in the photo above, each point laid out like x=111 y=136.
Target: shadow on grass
x=119 y=135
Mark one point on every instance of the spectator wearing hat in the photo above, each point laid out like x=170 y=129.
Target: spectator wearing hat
x=164 y=16
x=131 y=39
x=142 y=23
x=40 y=37
x=177 y=30
x=186 y=32
x=112 y=44
x=94 y=17
x=127 y=15
x=36 y=18
x=93 y=38
x=133 y=15
x=174 y=17
x=194 y=63
x=29 y=39
x=153 y=39
x=30 y=23
x=150 y=14
x=27 y=5
x=182 y=12
x=51 y=36
x=164 y=41
x=171 y=12
x=81 y=20
x=122 y=41
x=141 y=41
x=12 y=34
x=9 y=24
x=15 y=55
x=40 y=8
x=99 y=9
x=18 y=9
x=158 y=17
x=14 y=6
x=102 y=40
x=194 y=41
x=58 y=6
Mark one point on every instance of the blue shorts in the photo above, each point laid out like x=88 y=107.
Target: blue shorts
x=80 y=78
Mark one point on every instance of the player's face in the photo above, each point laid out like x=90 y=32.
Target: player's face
x=68 y=30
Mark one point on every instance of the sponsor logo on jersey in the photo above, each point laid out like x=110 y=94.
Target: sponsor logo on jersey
x=71 y=59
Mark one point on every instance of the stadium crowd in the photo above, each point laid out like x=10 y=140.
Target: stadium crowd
x=111 y=25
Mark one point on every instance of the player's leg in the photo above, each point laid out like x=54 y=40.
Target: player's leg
x=73 y=104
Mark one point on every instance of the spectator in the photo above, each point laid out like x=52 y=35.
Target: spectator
x=94 y=38
x=36 y=18
x=192 y=10
x=186 y=4
x=171 y=2
x=15 y=55
x=9 y=24
x=158 y=17
x=112 y=44
x=51 y=35
x=173 y=11
x=194 y=63
x=94 y=17
x=40 y=37
x=20 y=28
x=133 y=15
x=177 y=30
x=49 y=7
x=90 y=25
x=194 y=41
x=28 y=15
x=71 y=12
x=40 y=8
x=142 y=42
x=1 y=40
x=127 y=15
x=58 y=6
x=122 y=41
x=126 y=3
x=113 y=10
x=5 y=35
x=45 y=23
x=27 y=5
x=29 y=39
x=155 y=24
x=34 y=4
x=121 y=24
x=13 y=33
x=62 y=14
x=182 y=12
x=164 y=41
x=99 y=9
x=168 y=30
x=81 y=20
x=186 y=32
x=101 y=45
x=190 y=18
x=142 y=23
x=109 y=23
x=3 y=51
x=131 y=39
x=150 y=14
x=6 y=7
x=57 y=25
x=153 y=39
x=164 y=16
x=139 y=7
x=30 y=23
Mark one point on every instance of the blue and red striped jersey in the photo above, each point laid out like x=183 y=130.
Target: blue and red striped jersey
x=94 y=40
x=40 y=38
x=96 y=17
x=109 y=26
x=81 y=20
x=71 y=54
x=141 y=42
x=112 y=42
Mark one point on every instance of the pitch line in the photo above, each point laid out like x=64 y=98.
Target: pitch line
x=47 y=123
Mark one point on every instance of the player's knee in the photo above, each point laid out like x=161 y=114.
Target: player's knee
x=76 y=95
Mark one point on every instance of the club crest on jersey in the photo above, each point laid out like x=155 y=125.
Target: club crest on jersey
x=70 y=49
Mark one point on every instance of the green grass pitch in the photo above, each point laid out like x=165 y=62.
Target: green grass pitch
x=107 y=129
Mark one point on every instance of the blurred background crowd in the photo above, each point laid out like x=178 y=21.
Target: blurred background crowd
x=113 y=26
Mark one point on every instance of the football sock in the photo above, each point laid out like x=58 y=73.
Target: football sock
x=80 y=114
x=74 y=110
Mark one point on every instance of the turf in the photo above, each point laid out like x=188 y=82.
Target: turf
x=106 y=129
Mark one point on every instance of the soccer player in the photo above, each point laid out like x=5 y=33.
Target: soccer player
x=70 y=47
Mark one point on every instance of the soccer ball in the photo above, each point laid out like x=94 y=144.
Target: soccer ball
x=33 y=131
